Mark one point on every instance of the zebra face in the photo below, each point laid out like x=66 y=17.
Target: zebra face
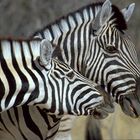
x=115 y=65
x=74 y=94
x=119 y=72
x=69 y=92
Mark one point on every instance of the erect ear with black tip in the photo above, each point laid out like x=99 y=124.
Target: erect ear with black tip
x=127 y=12
x=46 y=51
x=103 y=15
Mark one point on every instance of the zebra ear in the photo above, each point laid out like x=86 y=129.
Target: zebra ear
x=127 y=12
x=103 y=15
x=105 y=12
x=46 y=51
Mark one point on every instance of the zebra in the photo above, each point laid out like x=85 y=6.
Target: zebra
x=69 y=30
x=30 y=76
x=84 y=47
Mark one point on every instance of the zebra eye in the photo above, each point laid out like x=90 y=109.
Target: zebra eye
x=111 y=49
x=70 y=75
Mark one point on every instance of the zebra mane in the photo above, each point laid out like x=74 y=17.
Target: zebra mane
x=19 y=39
x=55 y=53
x=119 y=22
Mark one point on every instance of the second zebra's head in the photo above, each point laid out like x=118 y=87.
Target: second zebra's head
x=68 y=92
x=115 y=63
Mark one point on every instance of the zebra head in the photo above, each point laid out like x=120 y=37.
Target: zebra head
x=69 y=92
x=115 y=64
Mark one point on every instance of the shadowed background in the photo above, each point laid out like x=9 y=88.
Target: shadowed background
x=20 y=18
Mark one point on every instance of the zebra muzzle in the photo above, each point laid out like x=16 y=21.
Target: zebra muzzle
x=102 y=111
x=106 y=107
x=130 y=105
x=138 y=89
x=99 y=114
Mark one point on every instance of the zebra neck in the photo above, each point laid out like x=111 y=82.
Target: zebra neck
x=72 y=34
x=21 y=82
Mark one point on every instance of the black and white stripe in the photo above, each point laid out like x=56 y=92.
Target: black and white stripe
x=29 y=76
x=101 y=53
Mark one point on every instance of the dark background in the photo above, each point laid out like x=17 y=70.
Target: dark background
x=20 y=18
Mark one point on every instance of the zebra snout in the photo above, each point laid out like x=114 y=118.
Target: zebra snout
x=108 y=105
x=130 y=105
x=138 y=89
